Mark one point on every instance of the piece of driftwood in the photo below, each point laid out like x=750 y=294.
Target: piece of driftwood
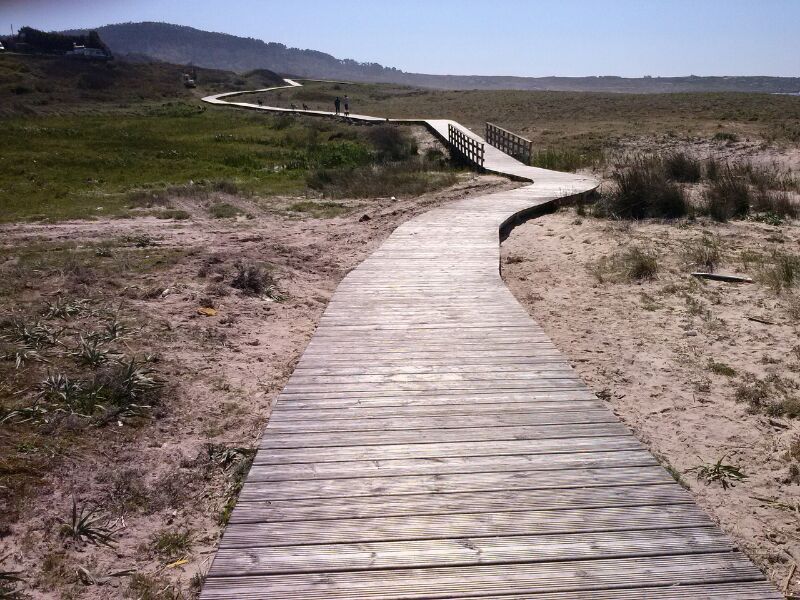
x=720 y=277
x=760 y=320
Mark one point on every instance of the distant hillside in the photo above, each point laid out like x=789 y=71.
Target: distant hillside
x=40 y=84
x=186 y=45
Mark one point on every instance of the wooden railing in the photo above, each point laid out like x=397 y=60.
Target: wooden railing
x=510 y=143
x=468 y=147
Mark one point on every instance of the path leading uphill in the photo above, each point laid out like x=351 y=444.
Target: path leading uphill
x=433 y=443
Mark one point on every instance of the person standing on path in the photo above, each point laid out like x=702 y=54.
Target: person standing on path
x=346 y=106
x=337 y=103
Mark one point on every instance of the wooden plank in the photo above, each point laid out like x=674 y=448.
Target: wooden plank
x=398 y=423
x=387 y=451
x=460 y=464
x=441 y=483
x=749 y=590
x=328 y=558
x=458 y=525
x=469 y=434
x=478 y=502
x=454 y=410
x=482 y=580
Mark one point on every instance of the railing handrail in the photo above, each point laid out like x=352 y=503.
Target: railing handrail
x=511 y=133
x=512 y=144
x=468 y=147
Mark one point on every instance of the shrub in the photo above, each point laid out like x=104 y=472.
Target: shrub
x=784 y=272
x=771 y=395
x=727 y=196
x=772 y=203
x=392 y=143
x=95 y=80
x=681 y=167
x=704 y=253
x=88 y=525
x=719 y=368
x=409 y=178
x=127 y=388
x=172 y=544
x=639 y=265
x=642 y=190
x=713 y=169
x=253 y=280
x=319 y=209
x=223 y=210
x=338 y=155
x=725 y=136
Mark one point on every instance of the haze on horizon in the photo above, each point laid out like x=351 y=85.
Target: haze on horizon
x=629 y=38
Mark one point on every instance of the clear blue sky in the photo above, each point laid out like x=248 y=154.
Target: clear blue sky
x=487 y=37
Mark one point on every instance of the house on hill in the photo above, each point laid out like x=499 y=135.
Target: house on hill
x=84 y=52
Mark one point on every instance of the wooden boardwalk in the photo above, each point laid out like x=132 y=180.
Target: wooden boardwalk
x=433 y=443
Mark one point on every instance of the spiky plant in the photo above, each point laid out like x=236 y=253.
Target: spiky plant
x=33 y=334
x=90 y=352
x=23 y=354
x=130 y=387
x=63 y=309
x=114 y=330
x=87 y=524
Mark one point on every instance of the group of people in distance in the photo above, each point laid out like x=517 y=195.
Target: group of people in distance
x=336 y=103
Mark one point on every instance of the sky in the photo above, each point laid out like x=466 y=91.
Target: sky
x=630 y=38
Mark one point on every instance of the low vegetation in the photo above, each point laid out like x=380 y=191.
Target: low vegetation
x=651 y=186
x=631 y=265
x=704 y=253
x=88 y=524
x=642 y=190
x=772 y=395
x=724 y=474
x=254 y=280
x=605 y=120
x=140 y=162
x=171 y=544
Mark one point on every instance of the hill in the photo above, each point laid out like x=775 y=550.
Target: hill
x=186 y=45
x=41 y=84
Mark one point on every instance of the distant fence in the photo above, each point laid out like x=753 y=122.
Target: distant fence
x=469 y=148
x=510 y=143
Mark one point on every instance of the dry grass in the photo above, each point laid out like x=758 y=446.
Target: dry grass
x=643 y=189
x=631 y=265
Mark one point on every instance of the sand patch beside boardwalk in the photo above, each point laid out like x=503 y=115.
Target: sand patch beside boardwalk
x=653 y=350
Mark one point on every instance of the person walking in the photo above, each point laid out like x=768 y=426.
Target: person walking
x=346 y=106
x=338 y=104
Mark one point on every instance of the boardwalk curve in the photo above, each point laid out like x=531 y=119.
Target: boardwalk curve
x=433 y=443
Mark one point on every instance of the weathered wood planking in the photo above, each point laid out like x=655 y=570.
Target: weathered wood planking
x=433 y=443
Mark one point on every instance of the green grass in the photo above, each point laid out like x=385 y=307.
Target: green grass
x=86 y=166
x=719 y=368
x=172 y=544
x=80 y=166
